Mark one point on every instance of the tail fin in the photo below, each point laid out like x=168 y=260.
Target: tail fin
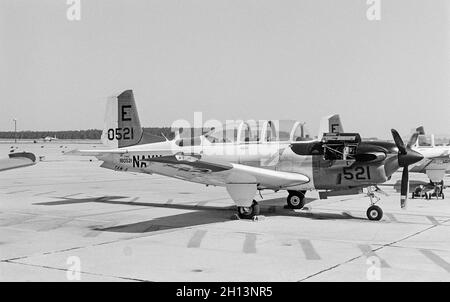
x=422 y=139
x=421 y=132
x=414 y=139
x=330 y=124
x=122 y=126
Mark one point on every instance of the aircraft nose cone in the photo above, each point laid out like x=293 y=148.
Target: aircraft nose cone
x=411 y=157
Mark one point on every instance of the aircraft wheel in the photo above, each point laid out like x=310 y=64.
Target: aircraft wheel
x=374 y=213
x=249 y=212
x=295 y=199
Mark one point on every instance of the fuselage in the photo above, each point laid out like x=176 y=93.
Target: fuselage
x=304 y=158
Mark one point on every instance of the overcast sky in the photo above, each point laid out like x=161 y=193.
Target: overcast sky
x=230 y=59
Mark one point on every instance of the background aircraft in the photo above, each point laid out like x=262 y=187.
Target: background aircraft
x=17 y=160
x=248 y=158
x=435 y=164
x=49 y=138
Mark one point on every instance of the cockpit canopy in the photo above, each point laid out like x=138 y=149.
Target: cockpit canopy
x=249 y=132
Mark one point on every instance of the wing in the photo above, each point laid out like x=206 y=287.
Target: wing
x=435 y=167
x=432 y=163
x=195 y=168
x=95 y=152
x=17 y=160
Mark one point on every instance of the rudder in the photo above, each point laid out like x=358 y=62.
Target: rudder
x=330 y=124
x=122 y=126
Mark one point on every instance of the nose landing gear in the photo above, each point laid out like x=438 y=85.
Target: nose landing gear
x=374 y=212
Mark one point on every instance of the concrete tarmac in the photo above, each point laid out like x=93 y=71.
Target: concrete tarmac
x=66 y=213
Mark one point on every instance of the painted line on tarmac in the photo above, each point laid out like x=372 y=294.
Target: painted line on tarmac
x=381 y=247
x=433 y=220
x=162 y=231
x=436 y=259
x=196 y=239
x=309 y=250
x=367 y=250
x=392 y=217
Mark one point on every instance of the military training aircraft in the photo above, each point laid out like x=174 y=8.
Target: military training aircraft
x=49 y=138
x=250 y=157
x=17 y=160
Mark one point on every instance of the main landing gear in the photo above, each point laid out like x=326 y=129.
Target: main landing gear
x=296 y=199
x=249 y=212
x=374 y=212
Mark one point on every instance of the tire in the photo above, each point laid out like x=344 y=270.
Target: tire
x=374 y=213
x=249 y=212
x=296 y=200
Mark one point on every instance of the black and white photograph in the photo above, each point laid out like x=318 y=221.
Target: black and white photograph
x=243 y=142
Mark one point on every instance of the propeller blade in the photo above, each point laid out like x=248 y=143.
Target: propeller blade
x=406 y=157
x=398 y=141
x=404 y=187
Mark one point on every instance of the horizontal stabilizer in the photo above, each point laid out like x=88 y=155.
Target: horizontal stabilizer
x=77 y=152
x=17 y=160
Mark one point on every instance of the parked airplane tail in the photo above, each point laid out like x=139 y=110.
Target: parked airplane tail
x=122 y=126
x=421 y=132
x=415 y=136
x=418 y=137
x=330 y=124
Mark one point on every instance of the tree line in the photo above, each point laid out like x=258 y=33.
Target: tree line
x=78 y=134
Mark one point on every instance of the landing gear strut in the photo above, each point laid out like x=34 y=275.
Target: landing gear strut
x=374 y=212
x=249 y=212
x=296 y=199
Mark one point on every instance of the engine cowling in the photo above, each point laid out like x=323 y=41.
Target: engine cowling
x=370 y=157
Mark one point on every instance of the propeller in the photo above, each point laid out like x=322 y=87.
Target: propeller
x=406 y=157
